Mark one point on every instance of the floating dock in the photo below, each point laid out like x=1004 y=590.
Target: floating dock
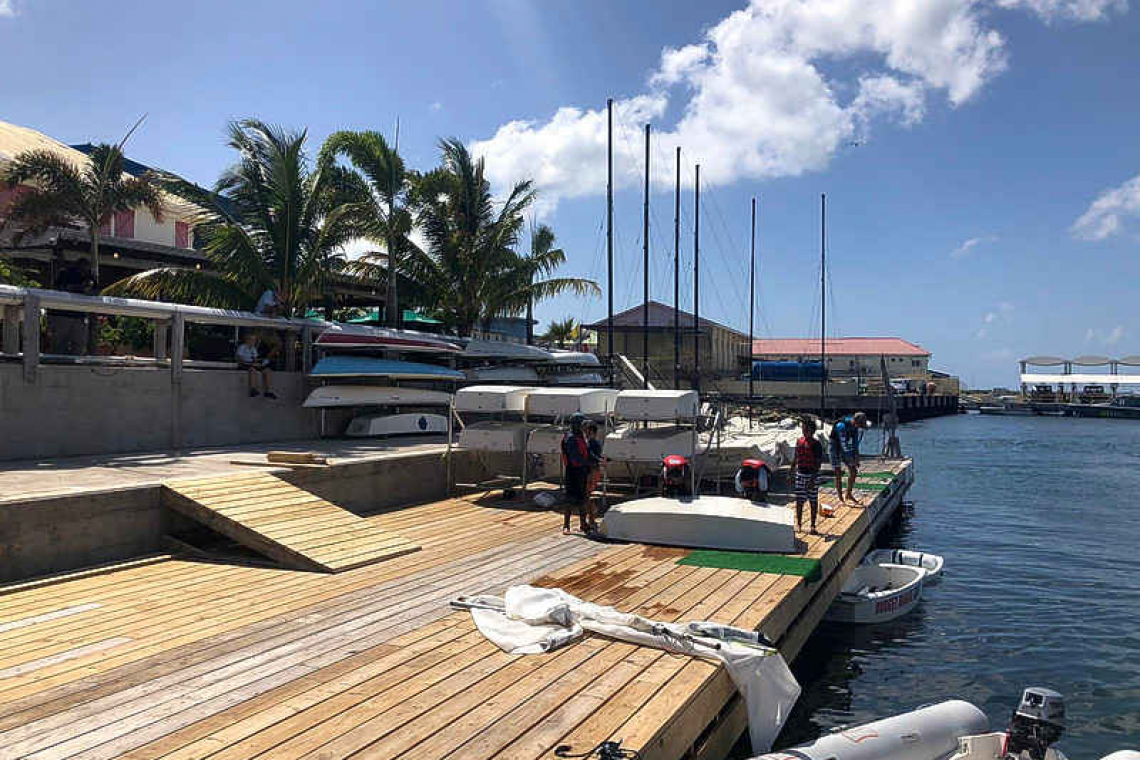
x=175 y=658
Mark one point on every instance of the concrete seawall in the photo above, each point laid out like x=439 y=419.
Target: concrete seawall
x=81 y=410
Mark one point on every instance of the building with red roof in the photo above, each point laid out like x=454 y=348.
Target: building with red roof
x=848 y=356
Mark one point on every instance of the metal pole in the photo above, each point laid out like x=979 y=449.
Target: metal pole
x=697 y=283
x=393 y=315
x=751 y=311
x=645 y=273
x=677 y=277
x=610 y=230
x=822 y=304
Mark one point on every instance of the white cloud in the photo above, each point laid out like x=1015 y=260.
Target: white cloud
x=968 y=245
x=1078 y=10
x=1105 y=337
x=436 y=106
x=1005 y=307
x=774 y=89
x=990 y=318
x=998 y=354
x=7 y=8
x=982 y=333
x=1106 y=215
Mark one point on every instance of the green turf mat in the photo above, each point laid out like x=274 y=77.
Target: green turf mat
x=878 y=475
x=755 y=563
x=872 y=486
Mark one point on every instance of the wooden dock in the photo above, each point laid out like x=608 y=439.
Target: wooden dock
x=183 y=659
x=284 y=522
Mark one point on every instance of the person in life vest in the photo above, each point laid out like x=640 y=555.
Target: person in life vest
x=809 y=456
x=597 y=461
x=576 y=463
x=844 y=449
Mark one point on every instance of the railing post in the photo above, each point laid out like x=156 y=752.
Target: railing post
x=31 y=337
x=290 y=350
x=177 y=347
x=306 y=349
x=11 y=330
x=161 y=330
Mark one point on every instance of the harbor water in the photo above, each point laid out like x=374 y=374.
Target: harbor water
x=1039 y=521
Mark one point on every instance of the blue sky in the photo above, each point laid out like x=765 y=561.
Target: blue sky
x=929 y=125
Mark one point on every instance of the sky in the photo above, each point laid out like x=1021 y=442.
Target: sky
x=979 y=158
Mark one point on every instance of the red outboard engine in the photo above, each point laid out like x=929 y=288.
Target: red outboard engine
x=752 y=480
x=676 y=473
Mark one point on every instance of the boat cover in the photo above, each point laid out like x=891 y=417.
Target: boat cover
x=495 y=435
x=657 y=405
x=709 y=522
x=503 y=373
x=562 y=402
x=501 y=349
x=633 y=444
x=576 y=378
x=492 y=398
x=529 y=620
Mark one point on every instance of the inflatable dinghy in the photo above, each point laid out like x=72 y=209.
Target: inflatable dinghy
x=931 y=563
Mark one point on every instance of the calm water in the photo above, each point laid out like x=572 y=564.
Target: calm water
x=1039 y=522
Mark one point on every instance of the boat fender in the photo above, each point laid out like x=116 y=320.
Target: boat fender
x=928 y=733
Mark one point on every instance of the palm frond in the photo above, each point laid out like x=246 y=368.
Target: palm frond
x=181 y=285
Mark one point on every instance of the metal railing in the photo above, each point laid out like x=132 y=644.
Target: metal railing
x=22 y=308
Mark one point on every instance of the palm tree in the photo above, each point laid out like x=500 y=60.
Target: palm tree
x=386 y=220
x=10 y=274
x=470 y=269
x=271 y=223
x=562 y=331
x=65 y=193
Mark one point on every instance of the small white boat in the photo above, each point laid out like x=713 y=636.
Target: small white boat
x=492 y=398
x=877 y=593
x=652 y=444
x=709 y=522
x=328 y=396
x=929 y=733
x=576 y=378
x=375 y=425
x=363 y=336
x=659 y=406
x=505 y=373
x=496 y=435
x=501 y=349
x=931 y=563
x=574 y=358
x=563 y=402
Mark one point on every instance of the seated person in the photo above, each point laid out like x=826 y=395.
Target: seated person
x=249 y=360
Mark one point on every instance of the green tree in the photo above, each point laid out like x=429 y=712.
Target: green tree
x=470 y=269
x=562 y=331
x=272 y=222
x=65 y=193
x=384 y=218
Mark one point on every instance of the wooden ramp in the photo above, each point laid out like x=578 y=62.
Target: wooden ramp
x=285 y=523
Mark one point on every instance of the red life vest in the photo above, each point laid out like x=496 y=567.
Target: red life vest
x=807 y=456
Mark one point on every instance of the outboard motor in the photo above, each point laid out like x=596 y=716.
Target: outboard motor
x=752 y=480
x=676 y=474
x=1037 y=722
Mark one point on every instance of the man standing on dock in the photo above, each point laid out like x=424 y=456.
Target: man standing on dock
x=845 y=438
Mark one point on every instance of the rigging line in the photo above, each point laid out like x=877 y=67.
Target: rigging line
x=595 y=266
x=736 y=281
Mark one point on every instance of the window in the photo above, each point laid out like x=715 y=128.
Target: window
x=125 y=224
x=915 y=363
x=181 y=235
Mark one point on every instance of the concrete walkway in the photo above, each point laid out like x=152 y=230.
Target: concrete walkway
x=34 y=478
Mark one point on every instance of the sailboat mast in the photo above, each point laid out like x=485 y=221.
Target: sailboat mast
x=697 y=282
x=677 y=277
x=645 y=273
x=751 y=309
x=822 y=305
x=610 y=232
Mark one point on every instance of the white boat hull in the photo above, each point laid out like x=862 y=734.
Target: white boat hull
x=328 y=396
x=504 y=374
x=929 y=733
x=495 y=436
x=877 y=593
x=492 y=398
x=576 y=378
x=634 y=444
x=931 y=563
x=563 y=402
x=404 y=341
x=376 y=425
x=660 y=406
x=710 y=522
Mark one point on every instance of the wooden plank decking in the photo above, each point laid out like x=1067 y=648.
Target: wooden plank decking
x=285 y=523
x=180 y=660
